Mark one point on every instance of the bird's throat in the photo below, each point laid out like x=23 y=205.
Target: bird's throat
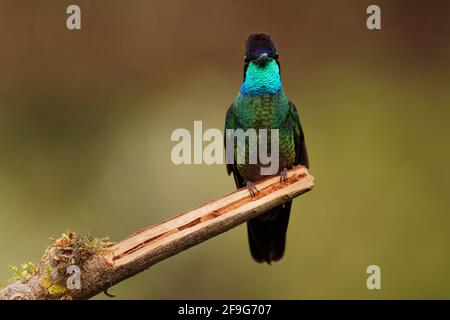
x=261 y=80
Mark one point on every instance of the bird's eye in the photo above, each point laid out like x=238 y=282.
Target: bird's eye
x=246 y=60
x=276 y=56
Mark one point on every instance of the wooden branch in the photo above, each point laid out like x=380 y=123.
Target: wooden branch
x=122 y=260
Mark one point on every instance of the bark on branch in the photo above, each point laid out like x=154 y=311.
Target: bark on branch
x=107 y=265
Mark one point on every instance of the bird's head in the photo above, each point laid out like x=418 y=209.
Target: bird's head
x=260 y=49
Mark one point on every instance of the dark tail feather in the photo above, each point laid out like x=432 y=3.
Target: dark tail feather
x=267 y=234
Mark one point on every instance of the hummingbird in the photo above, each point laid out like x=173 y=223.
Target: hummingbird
x=262 y=104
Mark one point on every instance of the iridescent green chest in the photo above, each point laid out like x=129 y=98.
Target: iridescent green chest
x=265 y=112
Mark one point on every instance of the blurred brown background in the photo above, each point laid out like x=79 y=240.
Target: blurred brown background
x=86 y=118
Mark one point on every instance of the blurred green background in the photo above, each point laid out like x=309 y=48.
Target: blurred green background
x=86 y=118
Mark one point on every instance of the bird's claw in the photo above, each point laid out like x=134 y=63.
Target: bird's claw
x=252 y=189
x=284 y=175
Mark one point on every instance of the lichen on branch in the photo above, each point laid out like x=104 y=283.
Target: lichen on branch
x=51 y=274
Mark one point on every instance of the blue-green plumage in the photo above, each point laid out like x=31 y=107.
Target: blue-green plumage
x=262 y=104
x=261 y=79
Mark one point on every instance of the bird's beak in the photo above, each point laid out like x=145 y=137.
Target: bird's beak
x=262 y=59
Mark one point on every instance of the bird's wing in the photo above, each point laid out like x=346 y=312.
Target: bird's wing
x=301 y=154
x=231 y=123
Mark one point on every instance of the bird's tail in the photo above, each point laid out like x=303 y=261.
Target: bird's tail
x=267 y=233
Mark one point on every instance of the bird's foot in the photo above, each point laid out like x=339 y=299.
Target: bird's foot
x=284 y=175
x=252 y=189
